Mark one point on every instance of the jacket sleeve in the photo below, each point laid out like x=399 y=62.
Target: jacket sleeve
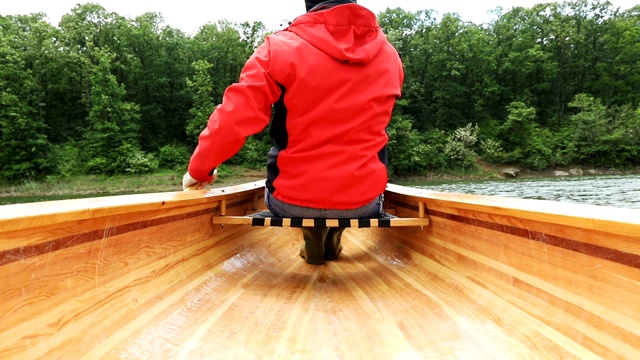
x=245 y=110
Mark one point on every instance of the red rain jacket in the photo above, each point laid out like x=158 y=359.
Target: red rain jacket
x=333 y=79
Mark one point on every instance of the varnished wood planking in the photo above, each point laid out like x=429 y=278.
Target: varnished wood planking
x=336 y=309
x=34 y=239
x=179 y=307
x=222 y=290
x=611 y=220
x=33 y=236
x=99 y=258
x=35 y=215
x=482 y=319
x=583 y=275
x=545 y=260
x=537 y=230
x=596 y=242
x=454 y=289
x=56 y=305
x=610 y=315
x=313 y=309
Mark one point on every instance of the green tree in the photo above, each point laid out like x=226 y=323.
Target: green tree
x=523 y=139
x=616 y=77
x=458 y=75
x=585 y=131
x=111 y=142
x=164 y=85
x=201 y=86
x=623 y=141
x=23 y=142
x=155 y=68
x=221 y=45
x=525 y=70
x=84 y=31
x=598 y=136
x=406 y=149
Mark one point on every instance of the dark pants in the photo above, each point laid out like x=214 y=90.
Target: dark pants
x=322 y=243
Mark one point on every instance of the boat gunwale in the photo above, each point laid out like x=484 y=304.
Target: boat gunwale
x=22 y=216
x=621 y=221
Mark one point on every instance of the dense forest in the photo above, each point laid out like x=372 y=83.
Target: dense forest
x=554 y=85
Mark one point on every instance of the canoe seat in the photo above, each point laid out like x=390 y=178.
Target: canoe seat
x=266 y=218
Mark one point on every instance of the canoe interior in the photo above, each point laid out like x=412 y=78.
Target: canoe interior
x=149 y=277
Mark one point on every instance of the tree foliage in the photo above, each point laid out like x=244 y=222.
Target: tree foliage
x=554 y=84
x=23 y=140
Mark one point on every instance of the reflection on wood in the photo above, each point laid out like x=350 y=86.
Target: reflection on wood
x=154 y=278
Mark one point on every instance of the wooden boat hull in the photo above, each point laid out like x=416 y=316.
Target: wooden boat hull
x=150 y=276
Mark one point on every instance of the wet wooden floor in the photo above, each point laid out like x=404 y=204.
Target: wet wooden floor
x=384 y=299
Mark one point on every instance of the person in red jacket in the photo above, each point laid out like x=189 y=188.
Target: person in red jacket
x=332 y=79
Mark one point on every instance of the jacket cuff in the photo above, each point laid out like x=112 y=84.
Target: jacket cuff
x=201 y=175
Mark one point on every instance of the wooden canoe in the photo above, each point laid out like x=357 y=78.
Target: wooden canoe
x=152 y=277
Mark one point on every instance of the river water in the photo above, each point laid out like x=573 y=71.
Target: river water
x=615 y=190
x=608 y=190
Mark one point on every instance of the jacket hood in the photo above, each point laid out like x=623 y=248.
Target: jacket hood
x=349 y=32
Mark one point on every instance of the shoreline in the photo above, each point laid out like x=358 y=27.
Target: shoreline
x=93 y=186
x=493 y=172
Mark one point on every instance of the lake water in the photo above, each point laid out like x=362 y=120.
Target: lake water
x=615 y=190
x=619 y=190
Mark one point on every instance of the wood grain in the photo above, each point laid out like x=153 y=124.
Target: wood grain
x=150 y=277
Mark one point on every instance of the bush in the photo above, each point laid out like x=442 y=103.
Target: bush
x=253 y=154
x=125 y=159
x=459 y=147
x=65 y=159
x=140 y=162
x=173 y=157
x=98 y=165
x=406 y=150
x=491 y=150
x=434 y=142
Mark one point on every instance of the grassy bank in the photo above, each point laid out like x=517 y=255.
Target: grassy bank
x=92 y=185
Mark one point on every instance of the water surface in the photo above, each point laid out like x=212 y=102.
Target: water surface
x=615 y=190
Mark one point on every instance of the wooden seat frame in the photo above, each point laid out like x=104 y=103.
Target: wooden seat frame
x=265 y=218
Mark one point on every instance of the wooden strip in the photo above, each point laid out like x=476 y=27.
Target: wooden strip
x=29 y=215
x=394 y=340
x=230 y=300
x=297 y=312
x=289 y=222
x=70 y=317
x=608 y=283
x=146 y=316
x=452 y=306
x=601 y=252
x=197 y=336
x=26 y=252
x=223 y=207
x=587 y=305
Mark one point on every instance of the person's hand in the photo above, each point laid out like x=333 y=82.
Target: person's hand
x=189 y=183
